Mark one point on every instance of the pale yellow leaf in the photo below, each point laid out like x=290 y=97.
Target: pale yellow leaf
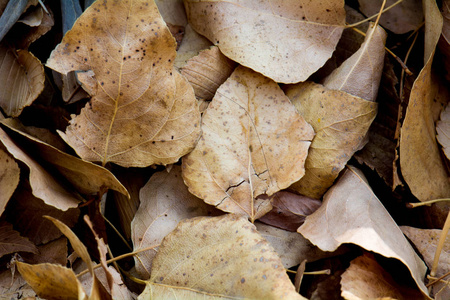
x=351 y=213
x=286 y=41
x=254 y=142
x=340 y=121
x=217 y=257
x=142 y=111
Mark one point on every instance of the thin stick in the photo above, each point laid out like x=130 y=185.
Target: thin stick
x=440 y=246
x=438 y=279
x=378 y=14
x=321 y=272
x=414 y=205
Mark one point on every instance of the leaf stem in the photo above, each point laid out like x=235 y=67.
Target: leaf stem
x=414 y=205
x=375 y=15
x=320 y=272
x=440 y=245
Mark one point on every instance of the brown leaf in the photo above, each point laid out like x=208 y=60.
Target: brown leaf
x=444 y=41
x=165 y=201
x=360 y=74
x=285 y=42
x=22 y=78
x=218 y=257
x=289 y=210
x=351 y=213
x=443 y=131
x=172 y=11
x=254 y=142
x=54 y=252
x=207 y=71
x=9 y=177
x=11 y=241
x=142 y=112
x=366 y=279
x=340 y=121
x=405 y=16
x=420 y=160
x=14 y=286
x=44 y=185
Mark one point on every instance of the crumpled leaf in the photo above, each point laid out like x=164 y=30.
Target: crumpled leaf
x=405 y=16
x=9 y=177
x=143 y=112
x=366 y=279
x=87 y=178
x=44 y=185
x=165 y=201
x=286 y=42
x=289 y=210
x=420 y=161
x=254 y=142
x=217 y=257
x=11 y=241
x=360 y=74
x=351 y=213
x=443 y=131
x=340 y=121
x=22 y=79
x=207 y=71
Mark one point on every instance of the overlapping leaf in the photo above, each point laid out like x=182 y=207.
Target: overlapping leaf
x=254 y=142
x=286 y=42
x=443 y=131
x=142 y=112
x=9 y=177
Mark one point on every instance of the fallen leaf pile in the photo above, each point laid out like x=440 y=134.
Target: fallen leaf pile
x=224 y=149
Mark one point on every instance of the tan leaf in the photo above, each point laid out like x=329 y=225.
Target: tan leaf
x=52 y=281
x=366 y=279
x=9 y=177
x=351 y=213
x=191 y=45
x=11 y=241
x=444 y=41
x=207 y=71
x=172 y=11
x=286 y=42
x=143 y=112
x=404 y=17
x=44 y=185
x=22 y=80
x=289 y=210
x=420 y=161
x=340 y=121
x=360 y=74
x=86 y=177
x=254 y=142
x=443 y=131
x=217 y=257
x=13 y=286
x=165 y=201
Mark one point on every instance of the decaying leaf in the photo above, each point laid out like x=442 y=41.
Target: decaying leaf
x=366 y=279
x=9 y=177
x=404 y=17
x=443 y=131
x=22 y=79
x=420 y=161
x=286 y=42
x=207 y=71
x=351 y=213
x=165 y=201
x=143 y=112
x=254 y=142
x=340 y=121
x=11 y=241
x=216 y=258
x=360 y=74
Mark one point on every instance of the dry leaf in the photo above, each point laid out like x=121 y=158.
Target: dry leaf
x=143 y=112
x=54 y=252
x=13 y=286
x=351 y=213
x=191 y=45
x=9 y=177
x=44 y=185
x=87 y=178
x=22 y=80
x=254 y=142
x=444 y=41
x=366 y=279
x=340 y=121
x=32 y=17
x=289 y=210
x=405 y=16
x=328 y=288
x=420 y=160
x=165 y=201
x=172 y=11
x=443 y=131
x=207 y=71
x=286 y=42
x=11 y=241
x=220 y=257
x=360 y=74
